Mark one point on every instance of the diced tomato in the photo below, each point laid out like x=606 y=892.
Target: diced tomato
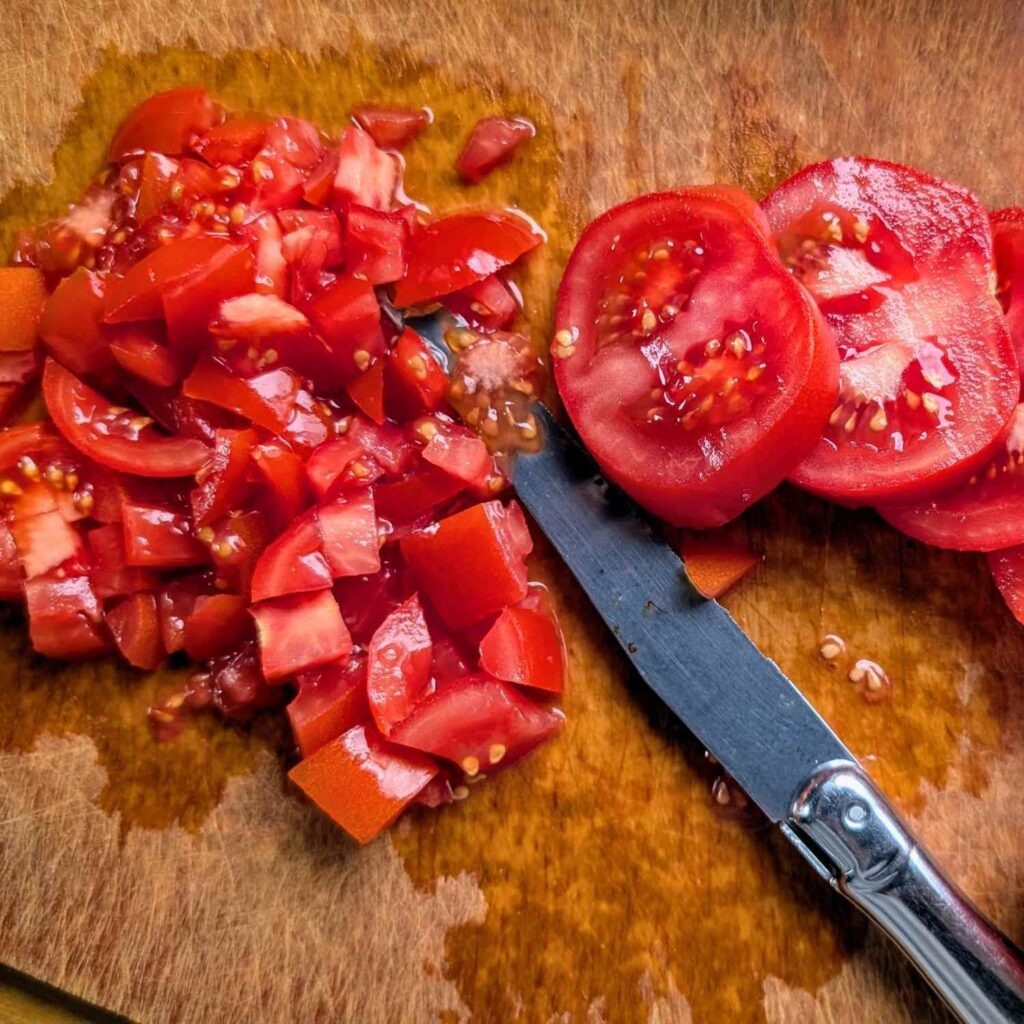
x=312 y=244
x=491 y=143
x=109 y=571
x=140 y=354
x=236 y=686
x=277 y=182
x=361 y=781
x=480 y=539
x=367 y=391
x=158 y=173
x=364 y=174
x=386 y=442
x=332 y=464
x=365 y=601
x=347 y=317
x=437 y=793
x=487 y=304
x=423 y=489
x=256 y=316
x=348 y=534
x=331 y=700
x=159 y=536
x=525 y=646
x=456 y=251
x=10 y=567
x=45 y=541
x=176 y=602
x=449 y=660
x=391 y=127
x=167 y=122
x=283 y=473
x=64 y=618
x=266 y=399
x=71 y=323
x=398 y=665
x=234 y=142
x=138 y=295
x=135 y=626
x=714 y=565
x=415 y=381
x=19 y=367
x=375 y=244
x=265 y=239
x=22 y=294
x=224 y=481
x=477 y=723
x=297 y=141
x=1007 y=569
x=298 y=633
x=238 y=541
x=292 y=564
x=461 y=454
x=218 y=624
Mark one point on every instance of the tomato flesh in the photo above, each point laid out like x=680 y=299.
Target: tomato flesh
x=1008 y=245
x=331 y=700
x=492 y=143
x=135 y=626
x=299 y=633
x=525 y=646
x=398 y=665
x=391 y=127
x=292 y=564
x=348 y=535
x=1007 y=569
x=71 y=324
x=165 y=123
x=715 y=565
x=156 y=535
x=64 y=618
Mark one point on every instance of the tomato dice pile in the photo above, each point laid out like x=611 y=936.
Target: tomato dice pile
x=859 y=333
x=252 y=459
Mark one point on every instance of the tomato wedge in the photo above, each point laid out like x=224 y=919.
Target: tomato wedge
x=112 y=436
x=398 y=664
x=694 y=368
x=900 y=263
x=1008 y=243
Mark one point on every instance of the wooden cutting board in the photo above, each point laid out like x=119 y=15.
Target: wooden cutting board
x=600 y=881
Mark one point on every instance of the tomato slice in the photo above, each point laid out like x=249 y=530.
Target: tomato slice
x=112 y=436
x=64 y=618
x=155 y=535
x=692 y=365
x=1007 y=569
x=110 y=572
x=456 y=251
x=299 y=633
x=525 y=646
x=398 y=665
x=267 y=399
x=135 y=626
x=714 y=564
x=292 y=564
x=348 y=534
x=1008 y=245
x=392 y=127
x=224 y=479
x=71 y=323
x=22 y=294
x=363 y=782
x=491 y=143
x=167 y=122
x=471 y=564
x=331 y=700
x=478 y=723
x=900 y=263
x=217 y=624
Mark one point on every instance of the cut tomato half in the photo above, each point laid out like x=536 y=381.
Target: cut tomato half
x=695 y=369
x=900 y=264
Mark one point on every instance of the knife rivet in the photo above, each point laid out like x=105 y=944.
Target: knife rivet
x=855 y=816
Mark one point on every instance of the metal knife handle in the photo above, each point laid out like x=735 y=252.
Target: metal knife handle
x=842 y=820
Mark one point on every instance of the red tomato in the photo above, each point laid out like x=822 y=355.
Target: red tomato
x=365 y=175
x=391 y=127
x=297 y=141
x=292 y=564
x=900 y=263
x=488 y=304
x=22 y=294
x=456 y=251
x=257 y=316
x=236 y=686
x=266 y=241
x=365 y=601
x=135 y=626
x=159 y=536
x=10 y=567
x=367 y=391
x=18 y=368
x=375 y=244
x=238 y=541
x=385 y=442
x=415 y=382
x=485 y=541
x=491 y=143
x=176 y=602
x=109 y=571
x=224 y=479
x=140 y=354
x=234 y=142
x=525 y=646
x=398 y=665
x=217 y=624
x=1008 y=244
x=64 y=618
x=158 y=173
x=45 y=541
x=283 y=473
x=331 y=465
x=1008 y=572
x=461 y=454
x=362 y=782
x=421 y=490
x=298 y=633
x=266 y=399
x=699 y=383
x=112 y=436
x=478 y=723
x=348 y=534
x=167 y=123
x=347 y=317
x=331 y=700
x=71 y=324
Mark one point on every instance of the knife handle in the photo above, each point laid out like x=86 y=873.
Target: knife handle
x=843 y=824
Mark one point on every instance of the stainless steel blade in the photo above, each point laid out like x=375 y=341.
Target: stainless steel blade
x=687 y=649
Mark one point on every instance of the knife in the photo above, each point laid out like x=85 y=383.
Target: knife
x=738 y=703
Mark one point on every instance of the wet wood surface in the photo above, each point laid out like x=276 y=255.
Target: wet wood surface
x=601 y=881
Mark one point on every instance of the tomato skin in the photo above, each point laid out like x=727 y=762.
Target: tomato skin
x=492 y=143
x=75 y=409
x=110 y=573
x=135 y=626
x=607 y=388
x=375 y=244
x=293 y=563
x=22 y=295
x=525 y=646
x=299 y=633
x=266 y=399
x=217 y=624
x=64 y=618
x=166 y=122
x=348 y=534
x=363 y=782
x=398 y=665
x=224 y=485
x=455 y=252
x=71 y=324
x=480 y=537
x=331 y=700
x=391 y=127
x=1007 y=568
x=478 y=723
x=414 y=383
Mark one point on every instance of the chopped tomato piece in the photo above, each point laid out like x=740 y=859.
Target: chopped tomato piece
x=135 y=626
x=298 y=633
x=146 y=358
x=224 y=481
x=348 y=534
x=176 y=602
x=398 y=665
x=375 y=244
x=332 y=464
x=714 y=565
x=461 y=454
x=112 y=436
x=297 y=141
x=489 y=304
x=109 y=571
x=71 y=323
x=292 y=564
x=278 y=183
x=366 y=601
x=22 y=294
x=235 y=685
x=365 y=175
x=525 y=646
x=362 y=782
x=45 y=541
x=1007 y=569
x=491 y=143
x=266 y=399
x=166 y=123
x=64 y=618
x=1008 y=247
x=331 y=700
x=391 y=127
x=266 y=240
x=217 y=624
x=238 y=541
x=159 y=536
x=158 y=173
x=347 y=317
x=386 y=442
x=256 y=316
x=420 y=491
x=477 y=723
x=10 y=567
x=454 y=252
x=367 y=391
x=234 y=142
x=283 y=473
x=415 y=381
x=486 y=541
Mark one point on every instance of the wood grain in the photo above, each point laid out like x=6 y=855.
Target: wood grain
x=598 y=882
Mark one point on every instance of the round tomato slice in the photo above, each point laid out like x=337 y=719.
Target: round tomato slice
x=113 y=436
x=691 y=363
x=1008 y=241
x=899 y=263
